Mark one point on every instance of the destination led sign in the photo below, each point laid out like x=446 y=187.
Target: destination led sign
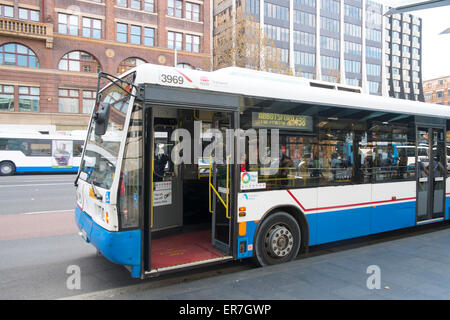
x=281 y=121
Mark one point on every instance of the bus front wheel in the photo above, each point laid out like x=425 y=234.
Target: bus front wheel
x=278 y=239
x=7 y=168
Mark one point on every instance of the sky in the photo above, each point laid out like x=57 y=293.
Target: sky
x=436 y=46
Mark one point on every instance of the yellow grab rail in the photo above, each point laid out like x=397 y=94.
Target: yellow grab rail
x=211 y=187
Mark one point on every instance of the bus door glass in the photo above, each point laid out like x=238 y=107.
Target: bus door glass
x=431 y=166
x=221 y=186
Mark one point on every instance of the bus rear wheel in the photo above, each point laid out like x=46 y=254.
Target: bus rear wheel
x=7 y=168
x=278 y=239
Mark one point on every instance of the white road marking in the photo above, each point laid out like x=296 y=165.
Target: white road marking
x=36 y=185
x=50 y=211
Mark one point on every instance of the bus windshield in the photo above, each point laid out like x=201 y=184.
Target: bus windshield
x=98 y=165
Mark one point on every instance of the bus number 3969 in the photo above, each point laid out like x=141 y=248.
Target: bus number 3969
x=167 y=78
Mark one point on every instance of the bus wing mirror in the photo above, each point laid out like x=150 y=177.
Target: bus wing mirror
x=101 y=117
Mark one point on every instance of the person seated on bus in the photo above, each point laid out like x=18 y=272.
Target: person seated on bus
x=315 y=167
x=402 y=163
x=244 y=163
x=286 y=164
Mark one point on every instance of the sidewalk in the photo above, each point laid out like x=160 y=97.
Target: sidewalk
x=412 y=267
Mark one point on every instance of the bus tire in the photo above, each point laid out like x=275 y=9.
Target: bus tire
x=7 y=168
x=278 y=239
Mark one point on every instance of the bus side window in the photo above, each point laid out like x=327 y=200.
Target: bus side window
x=78 y=148
x=41 y=148
x=4 y=144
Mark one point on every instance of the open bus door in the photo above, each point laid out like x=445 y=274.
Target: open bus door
x=221 y=187
x=170 y=240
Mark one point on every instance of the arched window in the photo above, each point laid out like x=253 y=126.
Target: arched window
x=185 y=66
x=79 y=61
x=15 y=54
x=128 y=64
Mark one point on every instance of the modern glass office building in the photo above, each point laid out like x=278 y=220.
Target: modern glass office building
x=345 y=41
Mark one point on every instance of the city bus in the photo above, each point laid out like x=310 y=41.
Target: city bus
x=186 y=168
x=35 y=152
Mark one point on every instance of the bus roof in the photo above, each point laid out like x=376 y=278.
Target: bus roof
x=268 y=85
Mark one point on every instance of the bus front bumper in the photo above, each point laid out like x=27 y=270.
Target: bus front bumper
x=122 y=247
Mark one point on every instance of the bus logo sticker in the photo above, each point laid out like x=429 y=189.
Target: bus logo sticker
x=248 y=197
x=108 y=197
x=249 y=181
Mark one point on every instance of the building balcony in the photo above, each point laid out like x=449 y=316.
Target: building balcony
x=396 y=28
x=395 y=64
x=416 y=21
x=416 y=45
x=415 y=68
x=396 y=52
x=396 y=40
x=396 y=76
x=27 y=29
x=406 y=43
x=406 y=31
x=407 y=90
x=416 y=91
x=416 y=33
x=415 y=56
x=406 y=18
x=406 y=54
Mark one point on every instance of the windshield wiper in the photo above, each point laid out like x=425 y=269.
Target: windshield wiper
x=115 y=81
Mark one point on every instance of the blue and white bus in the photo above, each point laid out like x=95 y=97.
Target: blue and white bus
x=340 y=167
x=36 y=152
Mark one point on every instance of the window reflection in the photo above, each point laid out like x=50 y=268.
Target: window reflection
x=359 y=147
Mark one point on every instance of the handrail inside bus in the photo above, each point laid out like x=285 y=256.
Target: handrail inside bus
x=211 y=187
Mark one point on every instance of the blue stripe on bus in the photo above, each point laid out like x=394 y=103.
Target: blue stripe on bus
x=352 y=223
x=447 y=205
x=119 y=247
x=45 y=169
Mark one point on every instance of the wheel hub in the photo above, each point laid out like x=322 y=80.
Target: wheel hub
x=279 y=241
x=6 y=169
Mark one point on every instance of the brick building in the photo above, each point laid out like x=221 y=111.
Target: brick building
x=437 y=90
x=51 y=50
